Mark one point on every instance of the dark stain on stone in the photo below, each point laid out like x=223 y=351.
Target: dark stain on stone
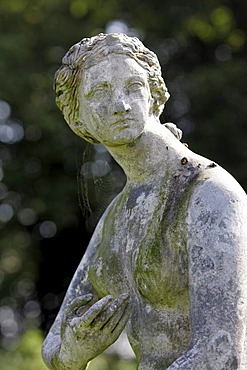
x=184 y=161
x=212 y=165
x=136 y=192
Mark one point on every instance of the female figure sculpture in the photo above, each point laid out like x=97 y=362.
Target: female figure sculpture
x=167 y=260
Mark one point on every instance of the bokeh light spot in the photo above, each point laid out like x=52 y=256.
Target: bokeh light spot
x=17 y=6
x=25 y=287
x=32 y=309
x=223 y=53
x=236 y=39
x=47 y=229
x=78 y=8
x=9 y=328
x=11 y=132
x=222 y=19
x=6 y=212
x=5 y=110
x=10 y=262
x=117 y=26
x=27 y=216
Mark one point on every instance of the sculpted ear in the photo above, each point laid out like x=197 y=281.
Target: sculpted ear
x=174 y=129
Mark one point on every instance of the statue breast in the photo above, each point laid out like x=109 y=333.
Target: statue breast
x=143 y=248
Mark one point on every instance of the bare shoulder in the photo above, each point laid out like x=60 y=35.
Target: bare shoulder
x=218 y=207
x=218 y=188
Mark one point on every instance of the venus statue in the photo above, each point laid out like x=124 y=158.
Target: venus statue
x=168 y=259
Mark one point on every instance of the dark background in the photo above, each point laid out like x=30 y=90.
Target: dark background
x=46 y=171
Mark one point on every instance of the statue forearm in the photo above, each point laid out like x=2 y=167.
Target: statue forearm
x=50 y=350
x=55 y=357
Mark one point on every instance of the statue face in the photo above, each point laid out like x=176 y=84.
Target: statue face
x=115 y=100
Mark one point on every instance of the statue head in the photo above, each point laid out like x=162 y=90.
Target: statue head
x=88 y=52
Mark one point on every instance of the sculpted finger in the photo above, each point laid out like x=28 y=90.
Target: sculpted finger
x=77 y=304
x=117 y=326
x=95 y=310
x=113 y=312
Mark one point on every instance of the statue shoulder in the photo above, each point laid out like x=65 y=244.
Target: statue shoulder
x=216 y=183
x=217 y=195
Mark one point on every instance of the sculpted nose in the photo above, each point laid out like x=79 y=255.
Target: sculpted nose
x=121 y=107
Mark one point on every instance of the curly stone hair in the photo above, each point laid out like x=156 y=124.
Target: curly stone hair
x=88 y=52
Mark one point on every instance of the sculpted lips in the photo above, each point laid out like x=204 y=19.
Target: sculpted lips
x=122 y=123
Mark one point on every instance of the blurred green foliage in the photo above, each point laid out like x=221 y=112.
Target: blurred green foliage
x=202 y=49
x=27 y=356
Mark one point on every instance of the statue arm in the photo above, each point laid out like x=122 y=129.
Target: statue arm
x=217 y=251
x=85 y=325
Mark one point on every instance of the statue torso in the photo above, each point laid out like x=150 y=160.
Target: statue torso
x=143 y=251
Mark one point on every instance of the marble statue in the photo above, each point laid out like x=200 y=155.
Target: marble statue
x=167 y=261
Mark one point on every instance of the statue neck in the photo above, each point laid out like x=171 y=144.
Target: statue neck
x=154 y=153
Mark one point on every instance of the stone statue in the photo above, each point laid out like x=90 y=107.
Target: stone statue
x=168 y=259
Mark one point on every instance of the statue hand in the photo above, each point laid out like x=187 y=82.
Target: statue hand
x=86 y=331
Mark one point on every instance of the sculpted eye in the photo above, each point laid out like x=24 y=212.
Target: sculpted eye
x=135 y=86
x=98 y=90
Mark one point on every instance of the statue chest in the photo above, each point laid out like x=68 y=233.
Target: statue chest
x=140 y=252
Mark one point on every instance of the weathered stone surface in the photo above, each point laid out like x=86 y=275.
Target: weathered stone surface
x=168 y=258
